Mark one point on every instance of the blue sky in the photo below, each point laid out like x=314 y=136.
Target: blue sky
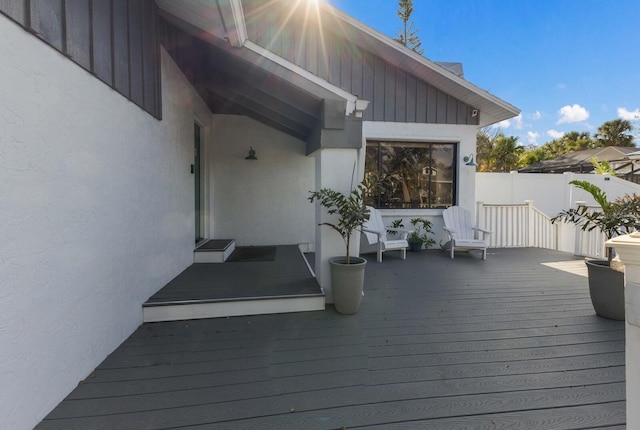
x=568 y=65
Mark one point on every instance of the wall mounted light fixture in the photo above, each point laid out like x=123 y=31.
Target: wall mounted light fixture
x=252 y=154
x=468 y=160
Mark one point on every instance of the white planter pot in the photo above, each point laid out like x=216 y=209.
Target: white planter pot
x=347 y=283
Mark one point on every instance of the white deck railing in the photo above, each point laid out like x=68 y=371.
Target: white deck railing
x=590 y=243
x=517 y=226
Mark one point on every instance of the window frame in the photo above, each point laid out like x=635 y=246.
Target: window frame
x=413 y=206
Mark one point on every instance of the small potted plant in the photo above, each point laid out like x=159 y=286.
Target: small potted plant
x=419 y=237
x=621 y=216
x=347 y=272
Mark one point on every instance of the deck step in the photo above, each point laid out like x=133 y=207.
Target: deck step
x=186 y=310
x=214 y=251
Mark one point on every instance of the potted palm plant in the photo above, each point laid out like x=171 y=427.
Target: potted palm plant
x=347 y=272
x=606 y=285
x=419 y=237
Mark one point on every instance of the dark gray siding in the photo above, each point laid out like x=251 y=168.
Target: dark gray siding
x=395 y=94
x=116 y=40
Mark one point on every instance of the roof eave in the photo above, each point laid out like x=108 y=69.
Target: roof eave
x=492 y=109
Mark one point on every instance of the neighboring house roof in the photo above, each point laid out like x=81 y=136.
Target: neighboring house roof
x=251 y=38
x=580 y=161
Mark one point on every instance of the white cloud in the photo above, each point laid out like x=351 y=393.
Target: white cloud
x=575 y=113
x=555 y=134
x=561 y=86
x=532 y=137
x=623 y=113
x=503 y=124
x=515 y=122
x=537 y=115
x=518 y=122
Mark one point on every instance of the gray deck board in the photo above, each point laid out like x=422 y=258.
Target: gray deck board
x=438 y=343
x=287 y=275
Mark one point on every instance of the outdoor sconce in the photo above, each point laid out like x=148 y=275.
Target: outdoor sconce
x=468 y=160
x=252 y=154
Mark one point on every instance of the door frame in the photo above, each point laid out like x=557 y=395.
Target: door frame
x=203 y=177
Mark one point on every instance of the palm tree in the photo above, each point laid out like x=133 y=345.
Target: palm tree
x=615 y=133
x=485 y=138
x=506 y=153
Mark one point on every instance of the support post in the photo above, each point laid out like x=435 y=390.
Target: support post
x=628 y=248
x=334 y=169
x=530 y=225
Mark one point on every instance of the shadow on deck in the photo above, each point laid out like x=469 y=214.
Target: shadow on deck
x=438 y=344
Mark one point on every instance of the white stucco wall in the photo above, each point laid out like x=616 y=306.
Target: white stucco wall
x=263 y=201
x=96 y=214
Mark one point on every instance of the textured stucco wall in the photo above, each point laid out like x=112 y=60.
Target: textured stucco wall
x=96 y=214
x=261 y=202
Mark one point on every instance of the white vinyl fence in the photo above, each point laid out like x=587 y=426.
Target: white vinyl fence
x=590 y=243
x=522 y=225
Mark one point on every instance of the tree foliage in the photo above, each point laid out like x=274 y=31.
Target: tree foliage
x=615 y=133
x=506 y=152
x=614 y=218
x=407 y=35
x=497 y=152
x=351 y=208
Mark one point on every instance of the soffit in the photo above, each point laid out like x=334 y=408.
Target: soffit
x=207 y=21
x=235 y=80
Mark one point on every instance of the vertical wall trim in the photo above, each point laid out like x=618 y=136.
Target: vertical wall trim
x=91 y=62
x=142 y=50
x=113 y=45
x=27 y=14
x=63 y=32
x=158 y=76
x=129 y=51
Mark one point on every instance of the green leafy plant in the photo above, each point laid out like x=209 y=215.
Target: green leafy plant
x=602 y=167
x=350 y=208
x=422 y=229
x=614 y=218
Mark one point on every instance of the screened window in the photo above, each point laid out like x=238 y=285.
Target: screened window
x=417 y=174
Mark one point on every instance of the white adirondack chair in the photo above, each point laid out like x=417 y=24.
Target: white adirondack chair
x=462 y=233
x=376 y=233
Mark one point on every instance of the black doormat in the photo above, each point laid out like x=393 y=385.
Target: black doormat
x=253 y=253
x=215 y=245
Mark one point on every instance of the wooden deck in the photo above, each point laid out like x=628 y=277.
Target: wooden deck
x=280 y=281
x=438 y=344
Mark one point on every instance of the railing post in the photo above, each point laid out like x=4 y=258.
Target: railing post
x=578 y=233
x=530 y=223
x=480 y=214
x=628 y=248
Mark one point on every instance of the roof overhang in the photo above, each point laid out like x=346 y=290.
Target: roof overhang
x=492 y=109
x=223 y=20
x=292 y=102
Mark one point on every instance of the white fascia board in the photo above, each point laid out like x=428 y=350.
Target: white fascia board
x=350 y=98
x=238 y=34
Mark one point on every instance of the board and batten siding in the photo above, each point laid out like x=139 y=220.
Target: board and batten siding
x=395 y=94
x=115 y=40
